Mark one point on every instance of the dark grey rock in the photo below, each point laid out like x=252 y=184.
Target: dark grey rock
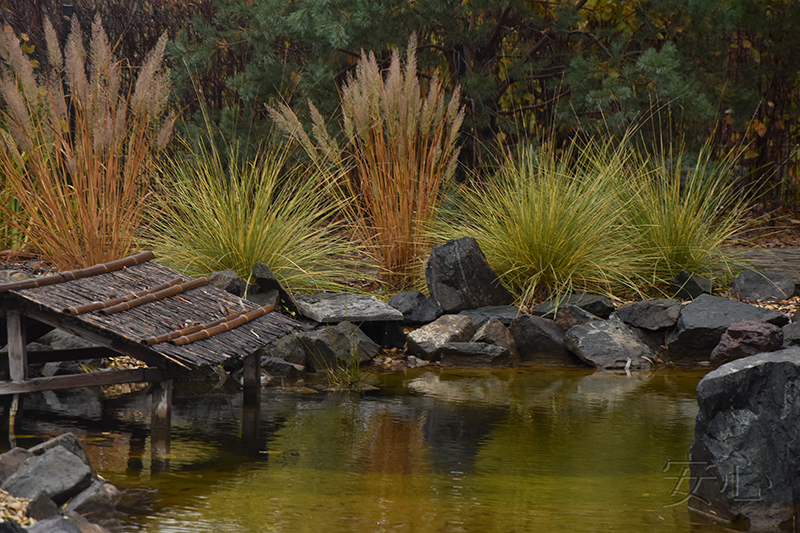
x=608 y=344
x=227 y=280
x=11 y=461
x=95 y=502
x=42 y=507
x=687 y=286
x=504 y=313
x=267 y=282
x=57 y=473
x=475 y=354
x=746 y=338
x=597 y=305
x=280 y=368
x=425 y=342
x=753 y=285
x=744 y=455
x=791 y=334
x=705 y=319
x=265 y=298
x=84 y=402
x=334 y=346
x=88 y=527
x=651 y=314
x=58 y=339
x=332 y=308
x=289 y=348
x=11 y=527
x=417 y=308
x=459 y=277
x=571 y=315
x=54 y=524
x=540 y=340
x=494 y=332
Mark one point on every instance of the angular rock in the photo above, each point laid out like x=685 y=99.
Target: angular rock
x=264 y=299
x=268 y=282
x=746 y=338
x=334 y=346
x=69 y=442
x=289 y=348
x=54 y=524
x=227 y=280
x=743 y=458
x=42 y=507
x=83 y=402
x=459 y=277
x=279 y=368
x=571 y=315
x=417 y=308
x=87 y=527
x=425 y=342
x=332 y=308
x=687 y=286
x=791 y=334
x=651 y=314
x=494 y=332
x=94 y=502
x=59 y=339
x=8 y=526
x=608 y=344
x=540 y=340
x=57 y=473
x=475 y=354
x=11 y=461
x=705 y=319
x=597 y=305
x=504 y=313
x=752 y=285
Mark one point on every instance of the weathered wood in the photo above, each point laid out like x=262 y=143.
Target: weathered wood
x=191 y=329
x=223 y=327
x=153 y=297
x=93 y=379
x=251 y=378
x=94 y=306
x=70 y=275
x=17 y=346
x=160 y=425
x=73 y=354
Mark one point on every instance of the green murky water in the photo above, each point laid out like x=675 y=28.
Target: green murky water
x=430 y=451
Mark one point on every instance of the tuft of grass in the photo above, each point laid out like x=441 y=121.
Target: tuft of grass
x=401 y=147
x=549 y=222
x=682 y=210
x=76 y=150
x=214 y=216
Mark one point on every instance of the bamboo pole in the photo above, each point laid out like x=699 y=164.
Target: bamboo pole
x=155 y=296
x=223 y=327
x=87 y=308
x=191 y=329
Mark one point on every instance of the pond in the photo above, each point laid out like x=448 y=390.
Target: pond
x=519 y=450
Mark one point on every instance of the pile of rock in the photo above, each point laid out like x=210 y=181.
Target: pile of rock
x=469 y=320
x=57 y=490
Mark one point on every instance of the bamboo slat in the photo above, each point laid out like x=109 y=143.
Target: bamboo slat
x=70 y=275
x=87 y=308
x=155 y=296
x=223 y=327
x=191 y=329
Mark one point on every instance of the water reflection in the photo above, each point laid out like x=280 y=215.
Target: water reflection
x=507 y=450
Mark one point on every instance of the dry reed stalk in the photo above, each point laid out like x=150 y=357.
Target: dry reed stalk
x=78 y=163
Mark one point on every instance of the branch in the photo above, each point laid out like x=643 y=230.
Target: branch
x=593 y=38
x=533 y=106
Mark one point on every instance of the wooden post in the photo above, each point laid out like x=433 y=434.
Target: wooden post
x=160 y=425
x=251 y=379
x=17 y=350
x=251 y=406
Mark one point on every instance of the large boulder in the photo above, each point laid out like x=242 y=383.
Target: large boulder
x=494 y=332
x=705 y=319
x=753 y=285
x=687 y=286
x=332 y=308
x=474 y=354
x=425 y=342
x=268 y=284
x=339 y=345
x=744 y=457
x=11 y=461
x=595 y=304
x=571 y=315
x=608 y=344
x=459 y=277
x=57 y=473
x=746 y=338
x=651 y=315
x=540 y=340
x=417 y=308
x=228 y=280
x=504 y=313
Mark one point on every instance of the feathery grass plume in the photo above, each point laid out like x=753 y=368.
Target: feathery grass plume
x=682 y=210
x=400 y=150
x=214 y=216
x=79 y=181
x=549 y=222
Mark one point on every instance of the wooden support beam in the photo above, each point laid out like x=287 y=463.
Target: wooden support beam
x=17 y=346
x=72 y=354
x=71 y=381
x=160 y=425
x=251 y=379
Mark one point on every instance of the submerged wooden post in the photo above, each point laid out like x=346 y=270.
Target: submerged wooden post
x=251 y=406
x=17 y=350
x=160 y=425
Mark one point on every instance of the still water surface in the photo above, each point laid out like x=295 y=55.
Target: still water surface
x=520 y=450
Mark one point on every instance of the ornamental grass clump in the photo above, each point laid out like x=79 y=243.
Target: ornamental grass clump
x=213 y=215
x=400 y=150
x=77 y=138
x=549 y=221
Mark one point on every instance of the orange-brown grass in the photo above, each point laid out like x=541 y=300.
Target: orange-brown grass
x=401 y=148
x=76 y=150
